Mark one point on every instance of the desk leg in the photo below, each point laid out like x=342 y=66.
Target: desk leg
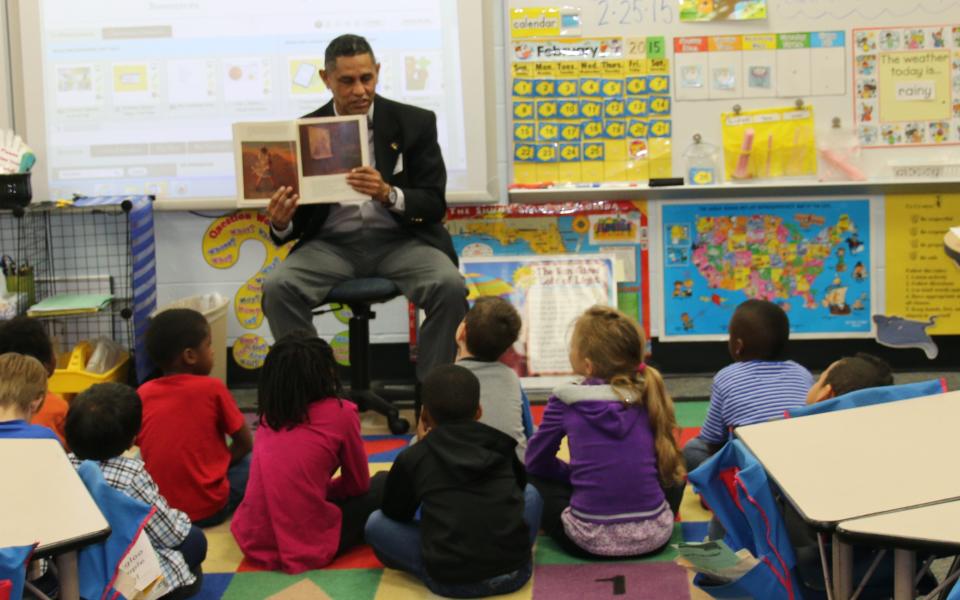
x=69 y=579
x=904 y=567
x=842 y=569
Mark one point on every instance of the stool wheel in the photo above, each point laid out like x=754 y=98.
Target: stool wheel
x=398 y=425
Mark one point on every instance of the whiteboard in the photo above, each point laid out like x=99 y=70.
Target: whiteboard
x=661 y=18
x=139 y=96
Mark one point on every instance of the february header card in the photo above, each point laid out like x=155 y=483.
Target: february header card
x=313 y=156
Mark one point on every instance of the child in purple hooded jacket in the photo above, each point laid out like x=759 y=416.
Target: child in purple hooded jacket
x=610 y=499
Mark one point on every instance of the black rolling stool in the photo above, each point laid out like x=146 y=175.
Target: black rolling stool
x=358 y=295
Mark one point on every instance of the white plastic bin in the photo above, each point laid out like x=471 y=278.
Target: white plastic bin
x=214 y=308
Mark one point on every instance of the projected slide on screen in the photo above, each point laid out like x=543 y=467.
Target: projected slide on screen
x=140 y=95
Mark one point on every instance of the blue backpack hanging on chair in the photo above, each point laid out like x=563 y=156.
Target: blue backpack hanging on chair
x=955 y=592
x=735 y=486
x=98 y=564
x=13 y=570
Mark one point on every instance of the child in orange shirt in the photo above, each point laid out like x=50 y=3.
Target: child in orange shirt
x=27 y=336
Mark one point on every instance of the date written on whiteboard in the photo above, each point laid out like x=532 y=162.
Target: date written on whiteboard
x=628 y=12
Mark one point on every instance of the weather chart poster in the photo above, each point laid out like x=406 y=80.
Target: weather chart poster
x=811 y=258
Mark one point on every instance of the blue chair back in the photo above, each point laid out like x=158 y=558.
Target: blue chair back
x=735 y=485
x=955 y=592
x=13 y=568
x=871 y=396
x=98 y=564
x=527 y=416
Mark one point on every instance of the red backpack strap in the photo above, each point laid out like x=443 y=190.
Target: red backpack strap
x=782 y=576
x=728 y=477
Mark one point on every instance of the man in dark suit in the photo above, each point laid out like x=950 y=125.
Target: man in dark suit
x=397 y=234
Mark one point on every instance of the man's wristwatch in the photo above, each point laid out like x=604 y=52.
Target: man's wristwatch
x=392 y=196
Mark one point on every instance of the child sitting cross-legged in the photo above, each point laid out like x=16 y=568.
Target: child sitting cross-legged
x=486 y=332
x=758 y=387
x=617 y=495
x=102 y=425
x=479 y=516
x=27 y=336
x=296 y=515
x=186 y=417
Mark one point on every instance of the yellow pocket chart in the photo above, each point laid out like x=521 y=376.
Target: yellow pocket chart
x=769 y=143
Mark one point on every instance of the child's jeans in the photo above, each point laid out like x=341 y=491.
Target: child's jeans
x=695 y=453
x=237 y=475
x=397 y=545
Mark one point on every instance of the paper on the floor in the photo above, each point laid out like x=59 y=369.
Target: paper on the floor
x=715 y=559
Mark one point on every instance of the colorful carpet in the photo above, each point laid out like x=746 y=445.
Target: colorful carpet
x=358 y=575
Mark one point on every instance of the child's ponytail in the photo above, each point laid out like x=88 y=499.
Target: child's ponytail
x=663 y=422
x=614 y=344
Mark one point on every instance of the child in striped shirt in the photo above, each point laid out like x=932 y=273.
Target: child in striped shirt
x=758 y=387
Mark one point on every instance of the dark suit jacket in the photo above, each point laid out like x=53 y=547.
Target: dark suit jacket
x=397 y=129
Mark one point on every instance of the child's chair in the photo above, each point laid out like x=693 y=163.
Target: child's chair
x=955 y=592
x=99 y=565
x=13 y=570
x=526 y=415
x=871 y=396
x=734 y=484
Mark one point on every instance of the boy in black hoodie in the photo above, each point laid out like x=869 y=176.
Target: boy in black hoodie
x=479 y=516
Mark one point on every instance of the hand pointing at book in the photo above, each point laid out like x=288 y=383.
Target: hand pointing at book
x=282 y=205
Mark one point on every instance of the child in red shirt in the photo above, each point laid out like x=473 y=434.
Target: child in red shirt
x=186 y=417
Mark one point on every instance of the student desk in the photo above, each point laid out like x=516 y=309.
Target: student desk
x=935 y=527
x=853 y=463
x=45 y=502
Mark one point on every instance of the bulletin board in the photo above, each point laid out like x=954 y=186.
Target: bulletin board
x=827 y=53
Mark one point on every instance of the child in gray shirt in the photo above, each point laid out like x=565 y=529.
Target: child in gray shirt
x=487 y=331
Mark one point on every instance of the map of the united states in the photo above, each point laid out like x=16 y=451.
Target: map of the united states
x=764 y=256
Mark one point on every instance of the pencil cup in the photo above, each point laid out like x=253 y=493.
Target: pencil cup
x=23 y=284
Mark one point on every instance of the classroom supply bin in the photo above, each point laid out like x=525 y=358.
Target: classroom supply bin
x=214 y=308
x=72 y=377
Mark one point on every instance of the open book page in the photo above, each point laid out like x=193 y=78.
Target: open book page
x=329 y=148
x=265 y=158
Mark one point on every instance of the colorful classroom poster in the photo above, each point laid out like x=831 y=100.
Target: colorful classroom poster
x=812 y=258
x=769 y=143
x=760 y=65
x=617 y=228
x=590 y=110
x=550 y=292
x=907 y=82
x=922 y=281
x=221 y=246
x=722 y=10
